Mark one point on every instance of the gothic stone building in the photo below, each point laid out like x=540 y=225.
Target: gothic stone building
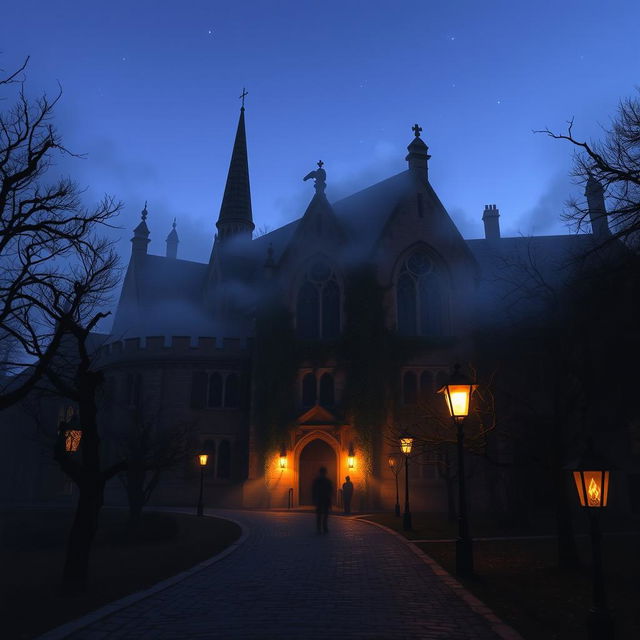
x=187 y=348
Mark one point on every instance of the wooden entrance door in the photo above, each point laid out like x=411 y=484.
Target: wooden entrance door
x=315 y=455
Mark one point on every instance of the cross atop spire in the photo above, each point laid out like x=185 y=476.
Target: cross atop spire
x=144 y=212
x=241 y=97
x=320 y=163
x=416 y=130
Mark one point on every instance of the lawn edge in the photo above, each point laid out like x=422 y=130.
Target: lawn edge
x=66 y=629
x=498 y=626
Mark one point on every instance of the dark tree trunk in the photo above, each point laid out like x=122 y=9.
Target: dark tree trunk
x=568 y=557
x=83 y=531
x=135 y=496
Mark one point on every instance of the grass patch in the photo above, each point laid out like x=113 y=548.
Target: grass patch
x=518 y=579
x=32 y=550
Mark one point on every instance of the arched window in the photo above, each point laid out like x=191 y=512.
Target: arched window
x=426 y=383
x=410 y=388
x=209 y=447
x=421 y=297
x=215 y=390
x=309 y=390
x=224 y=460
x=318 y=305
x=327 y=395
x=198 y=389
x=232 y=391
x=307 y=316
x=441 y=379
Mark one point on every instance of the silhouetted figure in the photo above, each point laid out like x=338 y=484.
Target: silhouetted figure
x=347 y=494
x=322 y=491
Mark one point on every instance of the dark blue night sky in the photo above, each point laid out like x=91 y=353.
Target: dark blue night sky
x=151 y=96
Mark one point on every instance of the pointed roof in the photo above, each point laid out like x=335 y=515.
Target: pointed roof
x=236 y=202
x=173 y=234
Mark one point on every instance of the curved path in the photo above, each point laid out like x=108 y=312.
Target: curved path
x=285 y=581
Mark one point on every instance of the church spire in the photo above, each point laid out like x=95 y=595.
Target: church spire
x=236 y=219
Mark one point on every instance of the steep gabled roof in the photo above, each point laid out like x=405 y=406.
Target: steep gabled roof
x=161 y=296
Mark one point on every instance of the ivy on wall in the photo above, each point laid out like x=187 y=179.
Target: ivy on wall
x=370 y=356
x=275 y=365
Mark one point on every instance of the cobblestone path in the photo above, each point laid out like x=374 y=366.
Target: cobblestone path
x=286 y=581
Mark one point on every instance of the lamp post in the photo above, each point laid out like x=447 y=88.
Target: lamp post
x=395 y=467
x=202 y=461
x=591 y=476
x=457 y=393
x=406 y=442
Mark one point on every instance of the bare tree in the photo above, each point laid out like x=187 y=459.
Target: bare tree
x=44 y=230
x=150 y=451
x=434 y=434
x=615 y=164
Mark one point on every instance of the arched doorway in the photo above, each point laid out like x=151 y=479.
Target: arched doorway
x=316 y=454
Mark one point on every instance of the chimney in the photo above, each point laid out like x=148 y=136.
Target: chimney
x=491 y=222
x=597 y=210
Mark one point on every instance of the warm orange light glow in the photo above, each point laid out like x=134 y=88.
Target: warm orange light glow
x=392 y=462
x=351 y=461
x=596 y=486
x=72 y=440
x=405 y=444
x=203 y=457
x=283 y=462
x=457 y=397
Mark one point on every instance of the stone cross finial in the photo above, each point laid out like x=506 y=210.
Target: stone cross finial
x=144 y=211
x=320 y=163
x=416 y=130
x=244 y=93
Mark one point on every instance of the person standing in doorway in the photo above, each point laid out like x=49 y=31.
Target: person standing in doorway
x=322 y=491
x=347 y=494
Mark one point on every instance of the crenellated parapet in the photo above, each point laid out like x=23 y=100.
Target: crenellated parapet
x=183 y=348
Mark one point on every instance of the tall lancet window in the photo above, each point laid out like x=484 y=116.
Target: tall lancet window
x=421 y=295
x=318 y=305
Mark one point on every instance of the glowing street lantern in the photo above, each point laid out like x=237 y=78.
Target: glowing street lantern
x=593 y=487
x=283 y=458
x=351 y=457
x=591 y=475
x=457 y=393
x=72 y=439
x=203 y=459
x=406 y=443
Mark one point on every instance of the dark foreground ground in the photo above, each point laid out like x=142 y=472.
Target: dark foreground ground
x=286 y=581
x=519 y=580
x=32 y=547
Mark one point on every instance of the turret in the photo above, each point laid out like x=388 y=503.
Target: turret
x=491 y=219
x=172 y=242
x=418 y=155
x=597 y=209
x=140 y=240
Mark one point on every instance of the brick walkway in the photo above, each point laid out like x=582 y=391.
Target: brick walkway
x=286 y=581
